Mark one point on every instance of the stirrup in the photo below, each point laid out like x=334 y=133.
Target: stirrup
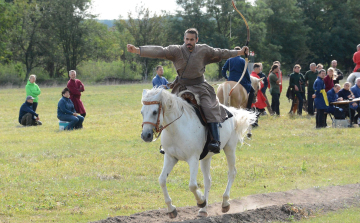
x=214 y=146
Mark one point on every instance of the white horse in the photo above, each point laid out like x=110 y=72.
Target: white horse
x=183 y=138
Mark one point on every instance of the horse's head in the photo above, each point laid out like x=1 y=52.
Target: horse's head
x=256 y=84
x=152 y=113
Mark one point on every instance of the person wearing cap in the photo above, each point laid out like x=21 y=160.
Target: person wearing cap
x=27 y=115
x=66 y=111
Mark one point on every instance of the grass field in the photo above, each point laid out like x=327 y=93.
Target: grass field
x=106 y=169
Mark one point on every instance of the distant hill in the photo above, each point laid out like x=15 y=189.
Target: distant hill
x=109 y=23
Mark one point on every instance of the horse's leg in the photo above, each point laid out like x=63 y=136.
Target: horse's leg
x=205 y=169
x=229 y=150
x=169 y=163
x=194 y=168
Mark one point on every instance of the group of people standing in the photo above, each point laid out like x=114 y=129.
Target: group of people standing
x=70 y=107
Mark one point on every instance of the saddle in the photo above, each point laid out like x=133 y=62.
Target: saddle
x=194 y=101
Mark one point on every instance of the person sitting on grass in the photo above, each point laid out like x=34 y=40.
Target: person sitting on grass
x=27 y=116
x=66 y=111
x=321 y=101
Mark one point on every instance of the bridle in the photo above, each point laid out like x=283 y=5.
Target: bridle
x=158 y=129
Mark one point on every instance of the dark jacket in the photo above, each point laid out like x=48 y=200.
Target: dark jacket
x=344 y=94
x=296 y=79
x=65 y=107
x=332 y=97
x=321 y=100
x=26 y=108
x=310 y=77
x=236 y=66
x=265 y=80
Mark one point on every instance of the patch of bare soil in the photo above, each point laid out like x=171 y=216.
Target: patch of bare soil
x=280 y=206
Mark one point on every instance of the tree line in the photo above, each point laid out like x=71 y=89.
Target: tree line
x=53 y=37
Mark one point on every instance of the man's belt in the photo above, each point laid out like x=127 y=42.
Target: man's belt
x=189 y=82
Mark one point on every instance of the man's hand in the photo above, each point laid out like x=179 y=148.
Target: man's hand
x=313 y=96
x=354 y=104
x=296 y=88
x=132 y=49
x=37 y=118
x=243 y=50
x=75 y=114
x=340 y=99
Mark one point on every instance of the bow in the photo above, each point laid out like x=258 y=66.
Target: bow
x=246 y=44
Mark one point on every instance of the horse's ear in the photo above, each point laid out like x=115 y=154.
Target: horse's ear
x=145 y=92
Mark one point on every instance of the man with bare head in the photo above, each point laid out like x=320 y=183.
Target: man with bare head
x=310 y=77
x=338 y=74
x=190 y=60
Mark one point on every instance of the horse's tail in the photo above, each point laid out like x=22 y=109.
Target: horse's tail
x=226 y=92
x=243 y=120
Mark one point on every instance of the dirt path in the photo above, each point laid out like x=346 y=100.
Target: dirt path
x=280 y=206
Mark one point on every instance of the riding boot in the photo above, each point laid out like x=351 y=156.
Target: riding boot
x=214 y=145
x=250 y=98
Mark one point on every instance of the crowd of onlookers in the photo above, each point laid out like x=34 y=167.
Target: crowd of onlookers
x=70 y=108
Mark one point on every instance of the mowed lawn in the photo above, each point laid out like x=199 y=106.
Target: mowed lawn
x=106 y=169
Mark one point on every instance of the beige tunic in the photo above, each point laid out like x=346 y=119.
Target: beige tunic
x=190 y=67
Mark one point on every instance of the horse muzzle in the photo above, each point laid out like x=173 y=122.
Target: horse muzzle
x=147 y=135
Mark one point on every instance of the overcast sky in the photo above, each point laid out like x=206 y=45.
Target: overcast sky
x=112 y=9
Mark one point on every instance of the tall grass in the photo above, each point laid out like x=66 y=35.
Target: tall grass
x=107 y=170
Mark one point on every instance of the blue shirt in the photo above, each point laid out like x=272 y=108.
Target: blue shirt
x=236 y=67
x=159 y=81
x=65 y=107
x=26 y=108
x=356 y=91
x=321 y=101
x=332 y=97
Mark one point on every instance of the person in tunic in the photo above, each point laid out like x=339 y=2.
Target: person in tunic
x=260 y=104
x=66 y=111
x=159 y=80
x=297 y=82
x=76 y=87
x=278 y=74
x=321 y=101
x=263 y=90
x=346 y=94
x=356 y=58
x=190 y=60
x=236 y=66
x=32 y=89
x=328 y=80
x=310 y=77
x=275 y=89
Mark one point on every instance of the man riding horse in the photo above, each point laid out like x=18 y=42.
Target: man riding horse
x=190 y=60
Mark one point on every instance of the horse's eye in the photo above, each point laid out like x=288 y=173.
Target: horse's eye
x=154 y=112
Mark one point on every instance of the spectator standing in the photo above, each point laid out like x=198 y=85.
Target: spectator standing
x=236 y=66
x=321 y=101
x=75 y=87
x=66 y=111
x=339 y=74
x=278 y=74
x=32 y=89
x=275 y=82
x=260 y=104
x=27 y=116
x=159 y=80
x=263 y=90
x=319 y=67
x=297 y=81
x=356 y=58
x=310 y=77
x=328 y=80
x=352 y=77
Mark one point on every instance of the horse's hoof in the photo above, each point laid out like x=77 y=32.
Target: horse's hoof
x=173 y=214
x=225 y=209
x=202 y=214
x=249 y=135
x=202 y=205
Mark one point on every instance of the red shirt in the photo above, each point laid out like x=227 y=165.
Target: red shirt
x=260 y=103
x=76 y=87
x=356 y=59
x=328 y=83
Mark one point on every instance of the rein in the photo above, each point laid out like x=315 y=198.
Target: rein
x=158 y=128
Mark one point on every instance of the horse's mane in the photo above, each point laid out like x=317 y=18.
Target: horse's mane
x=171 y=102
